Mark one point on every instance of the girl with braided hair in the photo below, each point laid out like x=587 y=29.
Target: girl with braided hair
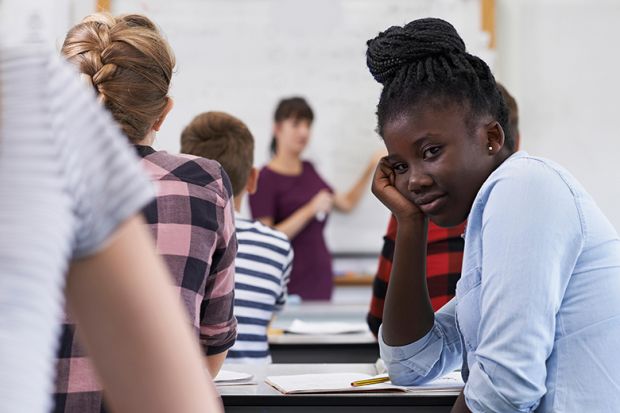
x=129 y=64
x=535 y=320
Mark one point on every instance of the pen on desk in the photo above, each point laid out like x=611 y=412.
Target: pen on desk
x=374 y=380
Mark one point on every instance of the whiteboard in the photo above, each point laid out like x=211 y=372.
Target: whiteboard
x=242 y=56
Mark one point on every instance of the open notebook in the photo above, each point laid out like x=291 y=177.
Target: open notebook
x=341 y=383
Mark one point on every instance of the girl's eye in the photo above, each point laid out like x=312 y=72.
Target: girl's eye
x=399 y=168
x=431 y=152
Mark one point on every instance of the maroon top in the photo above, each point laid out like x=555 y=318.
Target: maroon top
x=279 y=196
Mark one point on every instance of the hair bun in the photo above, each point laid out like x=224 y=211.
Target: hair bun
x=416 y=41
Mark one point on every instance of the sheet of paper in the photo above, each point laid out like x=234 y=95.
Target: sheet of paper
x=326 y=383
x=326 y=327
x=451 y=381
x=233 y=378
x=341 y=382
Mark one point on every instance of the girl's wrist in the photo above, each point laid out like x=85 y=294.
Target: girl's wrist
x=417 y=221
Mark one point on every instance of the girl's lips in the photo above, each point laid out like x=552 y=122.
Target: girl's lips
x=433 y=207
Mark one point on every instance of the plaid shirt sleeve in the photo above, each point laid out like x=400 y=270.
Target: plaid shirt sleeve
x=218 y=325
x=193 y=224
x=444 y=258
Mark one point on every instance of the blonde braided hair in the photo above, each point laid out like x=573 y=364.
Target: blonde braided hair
x=129 y=64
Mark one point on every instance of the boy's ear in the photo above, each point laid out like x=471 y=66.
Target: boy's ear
x=517 y=141
x=160 y=120
x=252 y=182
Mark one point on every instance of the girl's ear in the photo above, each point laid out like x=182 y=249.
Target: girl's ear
x=275 y=129
x=494 y=137
x=160 y=120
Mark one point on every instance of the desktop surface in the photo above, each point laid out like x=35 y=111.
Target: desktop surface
x=261 y=397
x=358 y=347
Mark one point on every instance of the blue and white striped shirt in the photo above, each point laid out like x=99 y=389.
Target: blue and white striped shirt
x=262 y=269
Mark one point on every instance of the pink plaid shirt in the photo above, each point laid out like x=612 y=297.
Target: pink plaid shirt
x=193 y=224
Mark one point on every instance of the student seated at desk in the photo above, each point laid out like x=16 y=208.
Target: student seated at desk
x=129 y=64
x=264 y=258
x=535 y=322
x=444 y=251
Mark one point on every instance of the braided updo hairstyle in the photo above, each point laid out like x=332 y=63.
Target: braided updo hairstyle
x=129 y=64
x=426 y=62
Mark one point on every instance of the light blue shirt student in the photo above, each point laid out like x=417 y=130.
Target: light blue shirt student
x=537 y=309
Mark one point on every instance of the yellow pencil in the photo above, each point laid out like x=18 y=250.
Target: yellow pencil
x=374 y=380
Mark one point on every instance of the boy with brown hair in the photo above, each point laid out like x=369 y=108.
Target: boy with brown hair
x=263 y=263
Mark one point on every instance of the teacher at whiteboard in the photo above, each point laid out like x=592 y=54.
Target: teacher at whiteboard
x=292 y=197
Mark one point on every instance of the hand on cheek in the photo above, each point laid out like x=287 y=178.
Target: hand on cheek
x=385 y=190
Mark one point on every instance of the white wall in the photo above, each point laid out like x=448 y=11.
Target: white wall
x=27 y=20
x=560 y=59
x=242 y=56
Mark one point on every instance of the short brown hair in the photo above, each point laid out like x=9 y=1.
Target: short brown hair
x=129 y=64
x=224 y=138
x=513 y=111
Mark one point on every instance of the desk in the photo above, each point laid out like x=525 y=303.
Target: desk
x=264 y=398
x=336 y=348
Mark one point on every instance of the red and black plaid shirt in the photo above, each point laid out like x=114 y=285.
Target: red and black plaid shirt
x=443 y=268
x=192 y=221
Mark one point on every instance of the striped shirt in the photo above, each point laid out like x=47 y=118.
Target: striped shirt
x=192 y=222
x=262 y=271
x=68 y=179
x=444 y=257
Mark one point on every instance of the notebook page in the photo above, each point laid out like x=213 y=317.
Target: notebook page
x=326 y=383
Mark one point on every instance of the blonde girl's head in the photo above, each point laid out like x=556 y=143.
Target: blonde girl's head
x=130 y=65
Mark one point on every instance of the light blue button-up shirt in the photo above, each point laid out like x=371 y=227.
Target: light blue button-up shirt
x=537 y=309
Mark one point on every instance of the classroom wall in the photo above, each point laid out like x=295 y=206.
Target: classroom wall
x=556 y=56
x=560 y=60
x=41 y=20
x=242 y=56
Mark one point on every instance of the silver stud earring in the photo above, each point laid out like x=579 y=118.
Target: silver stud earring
x=490 y=149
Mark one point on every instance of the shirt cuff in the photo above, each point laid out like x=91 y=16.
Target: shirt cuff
x=482 y=396
x=408 y=350
x=411 y=364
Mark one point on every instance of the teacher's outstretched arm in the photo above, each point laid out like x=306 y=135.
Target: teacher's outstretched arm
x=347 y=201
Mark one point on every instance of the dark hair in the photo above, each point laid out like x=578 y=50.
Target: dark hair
x=224 y=138
x=426 y=62
x=291 y=108
x=513 y=111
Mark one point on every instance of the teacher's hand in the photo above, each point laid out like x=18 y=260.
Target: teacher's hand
x=322 y=202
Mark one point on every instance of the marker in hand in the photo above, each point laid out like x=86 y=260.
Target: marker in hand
x=322 y=203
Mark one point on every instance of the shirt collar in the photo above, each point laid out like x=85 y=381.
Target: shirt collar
x=144 y=151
